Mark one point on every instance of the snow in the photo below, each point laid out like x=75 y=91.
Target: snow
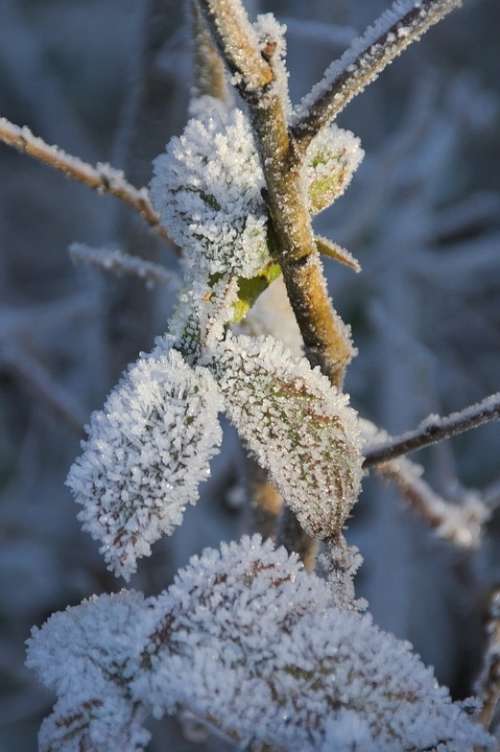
x=297 y=425
x=146 y=453
x=247 y=639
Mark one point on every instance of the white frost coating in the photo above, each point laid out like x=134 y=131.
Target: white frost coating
x=86 y=655
x=272 y=33
x=207 y=190
x=297 y=425
x=146 y=453
x=331 y=160
x=250 y=641
x=365 y=58
x=119 y=263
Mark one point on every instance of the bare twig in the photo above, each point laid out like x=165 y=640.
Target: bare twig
x=102 y=178
x=488 y=685
x=434 y=429
x=360 y=65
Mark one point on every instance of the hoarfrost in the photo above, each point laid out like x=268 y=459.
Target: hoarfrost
x=207 y=191
x=248 y=640
x=297 y=425
x=332 y=158
x=145 y=455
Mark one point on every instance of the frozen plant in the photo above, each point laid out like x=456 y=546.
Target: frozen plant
x=248 y=641
x=245 y=640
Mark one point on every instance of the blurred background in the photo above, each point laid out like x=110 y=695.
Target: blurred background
x=110 y=81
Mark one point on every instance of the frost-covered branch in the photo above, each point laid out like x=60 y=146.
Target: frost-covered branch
x=117 y=262
x=238 y=43
x=209 y=73
x=459 y=523
x=488 y=685
x=102 y=178
x=434 y=429
x=367 y=56
x=255 y=55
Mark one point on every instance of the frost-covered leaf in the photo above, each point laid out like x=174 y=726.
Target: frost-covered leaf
x=146 y=453
x=331 y=160
x=249 y=641
x=207 y=191
x=87 y=655
x=297 y=425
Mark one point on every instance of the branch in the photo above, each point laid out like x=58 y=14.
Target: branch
x=254 y=57
x=488 y=685
x=434 y=429
x=360 y=65
x=460 y=524
x=102 y=178
x=118 y=262
x=261 y=80
x=209 y=73
x=238 y=43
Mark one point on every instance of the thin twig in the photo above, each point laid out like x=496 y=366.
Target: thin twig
x=488 y=685
x=209 y=73
x=102 y=178
x=434 y=429
x=360 y=65
x=116 y=261
x=461 y=523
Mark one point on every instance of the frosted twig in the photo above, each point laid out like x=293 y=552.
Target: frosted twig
x=488 y=685
x=381 y=43
x=254 y=55
x=434 y=429
x=102 y=178
x=238 y=43
x=118 y=262
x=261 y=80
x=460 y=524
x=43 y=386
x=209 y=74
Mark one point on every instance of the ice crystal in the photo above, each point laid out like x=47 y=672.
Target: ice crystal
x=297 y=425
x=146 y=453
x=248 y=640
x=331 y=160
x=207 y=191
